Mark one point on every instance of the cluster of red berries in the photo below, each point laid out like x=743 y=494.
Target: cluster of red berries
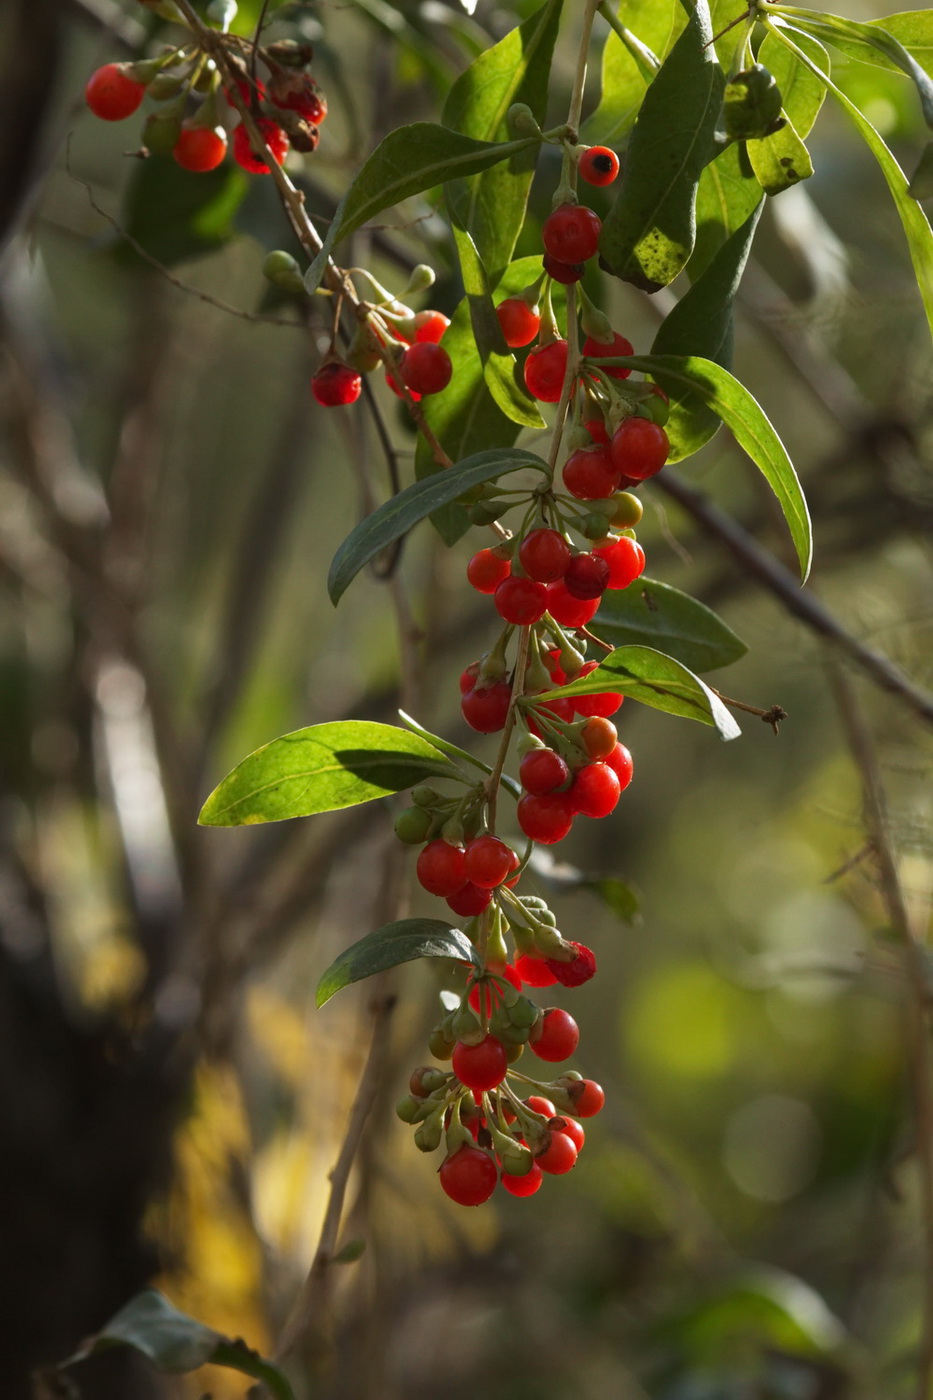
x=424 y=365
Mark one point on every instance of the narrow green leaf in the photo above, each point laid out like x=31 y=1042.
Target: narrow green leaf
x=491 y=206
x=400 y=514
x=657 y=680
x=322 y=769
x=722 y=14
x=750 y=427
x=701 y=324
x=657 y=24
x=921 y=182
x=619 y=897
x=726 y=195
x=391 y=945
x=176 y=1343
x=870 y=42
x=649 y=232
x=658 y=615
x=802 y=92
x=409 y=161
x=780 y=160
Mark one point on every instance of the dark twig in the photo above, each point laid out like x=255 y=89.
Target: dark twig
x=772 y=716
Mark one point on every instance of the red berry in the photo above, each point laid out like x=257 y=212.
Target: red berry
x=588 y=1098
x=469 y=677
x=245 y=90
x=469 y=901
x=555 y=1036
x=336 y=384
x=568 y=610
x=589 y=474
x=112 y=94
x=542 y=771
x=574 y=1131
x=602 y=705
x=620 y=761
x=571 y=233
x=485 y=710
x=595 y=791
x=547 y=818
x=430 y=327
x=534 y=972
x=626 y=560
x=481 y=1066
x=250 y=160
x=521 y=601
x=540 y=1105
x=493 y=994
x=468 y=1177
x=587 y=576
x=394 y=386
x=441 y=868
x=576 y=972
x=520 y=322
x=488 y=861
x=559 y=1155
x=486 y=570
x=599 y=738
x=599 y=166
x=298 y=92
x=198 y=148
x=426 y=368
x=544 y=371
x=561 y=707
x=606 y=350
x=639 y=448
x=562 y=272
x=525 y=1185
x=544 y=555
x=596 y=427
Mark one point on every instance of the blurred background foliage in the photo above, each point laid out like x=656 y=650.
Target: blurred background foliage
x=744 y=1221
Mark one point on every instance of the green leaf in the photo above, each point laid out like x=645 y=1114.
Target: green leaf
x=491 y=206
x=657 y=680
x=657 y=23
x=409 y=161
x=726 y=195
x=560 y=875
x=724 y=13
x=701 y=324
x=397 y=516
x=175 y=214
x=802 y=92
x=780 y=160
x=921 y=182
x=750 y=427
x=322 y=769
x=914 y=221
x=402 y=32
x=619 y=897
x=657 y=615
x=176 y=1343
x=391 y=945
x=902 y=42
x=649 y=232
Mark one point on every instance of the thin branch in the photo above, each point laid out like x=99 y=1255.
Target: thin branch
x=772 y=716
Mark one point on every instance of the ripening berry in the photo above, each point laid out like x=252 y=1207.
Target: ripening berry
x=426 y=368
x=250 y=160
x=587 y=576
x=639 y=448
x=620 y=761
x=547 y=818
x=525 y=1185
x=112 y=94
x=520 y=601
x=562 y=272
x=589 y=473
x=336 y=384
x=596 y=427
x=555 y=1037
x=558 y=1156
x=488 y=861
x=568 y=610
x=625 y=559
x=430 y=327
x=199 y=148
x=603 y=350
x=469 y=1176
x=544 y=371
x=542 y=771
x=298 y=92
x=485 y=709
x=441 y=868
x=534 y=972
x=579 y=970
x=599 y=166
x=571 y=233
x=520 y=322
x=544 y=555
x=486 y=570
x=595 y=790
x=588 y=1098
x=599 y=737
x=469 y=901
x=481 y=1066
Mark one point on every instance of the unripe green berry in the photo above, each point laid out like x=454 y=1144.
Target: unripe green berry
x=628 y=510
x=485 y=512
x=516 y=1159
x=509 y=1035
x=466 y=1026
x=428 y=1134
x=593 y=526
x=165 y=85
x=514 y=1052
x=425 y=796
x=412 y=825
x=160 y=133
x=282 y=270
x=439 y=1046
x=408 y=1108
x=524 y=1012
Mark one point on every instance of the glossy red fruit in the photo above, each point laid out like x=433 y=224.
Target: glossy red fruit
x=394 y=386
x=485 y=710
x=603 y=350
x=595 y=791
x=544 y=371
x=299 y=93
x=441 y=868
x=520 y=322
x=555 y=1037
x=589 y=473
x=481 y=1066
x=525 y=1185
x=426 y=368
x=534 y=972
x=587 y=576
x=576 y=972
x=486 y=570
x=559 y=1155
x=199 y=148
x=620 y=761
x=599 y=737
x=336 y=385
x=568 y=610
x=469 y=1176
x=574 y=1131
x=493 y=994
x=488 y=861
x=250 y=160
x=571 y=233
x=562 y=272
x=469 y=901
x=588 y=1098
x=541 y=1105
x=544 y=555
x=639 y=448
x=625 y=558
x=599 y=166
x=547 y=819
x=603 y=705
x=521 y=601
x=469 y=677
x=542 y=771
x=430 y=327
x=112 y=94
x=596 y=427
